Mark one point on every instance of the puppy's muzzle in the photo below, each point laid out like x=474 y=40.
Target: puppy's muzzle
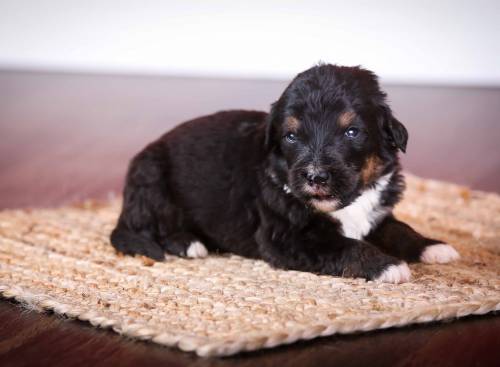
x=318 y=177
x=316 y=181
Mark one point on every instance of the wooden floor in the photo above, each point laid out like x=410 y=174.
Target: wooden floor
x=67 y=137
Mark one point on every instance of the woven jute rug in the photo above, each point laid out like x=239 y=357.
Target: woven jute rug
x=60 y=260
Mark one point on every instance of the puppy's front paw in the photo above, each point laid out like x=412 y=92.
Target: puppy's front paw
x=196 y=249
x=440 y=253
x=395 y=274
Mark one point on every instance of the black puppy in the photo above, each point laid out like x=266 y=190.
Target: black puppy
x=309 y=186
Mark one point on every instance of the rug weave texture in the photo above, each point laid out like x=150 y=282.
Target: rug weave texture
x=61 y=260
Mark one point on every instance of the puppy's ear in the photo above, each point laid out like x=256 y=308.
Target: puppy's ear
x=396 y=132
x=272 y=124
x=399 y=134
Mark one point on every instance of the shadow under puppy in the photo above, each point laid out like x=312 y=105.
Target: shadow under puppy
x=309 y=186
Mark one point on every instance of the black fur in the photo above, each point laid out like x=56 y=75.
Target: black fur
x=242 y=182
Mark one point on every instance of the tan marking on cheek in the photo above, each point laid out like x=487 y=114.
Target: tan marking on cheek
x=292 y=124
x=371 y=169
x=346 y=118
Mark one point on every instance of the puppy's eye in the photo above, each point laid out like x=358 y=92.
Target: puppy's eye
x=352 y=132
x=291 y=138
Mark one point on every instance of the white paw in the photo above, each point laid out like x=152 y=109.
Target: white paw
x=395 y=274
x=196 y=249
x=439 y=254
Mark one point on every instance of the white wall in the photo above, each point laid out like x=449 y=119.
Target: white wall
x=450 y=42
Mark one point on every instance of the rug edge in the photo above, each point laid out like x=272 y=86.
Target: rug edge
x=222 y=348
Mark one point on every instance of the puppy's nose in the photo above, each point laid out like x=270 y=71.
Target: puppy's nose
x=318 y=178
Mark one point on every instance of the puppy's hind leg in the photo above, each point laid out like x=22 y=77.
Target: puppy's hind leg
x=145 y=206
x=131 y=243
x=186 y=245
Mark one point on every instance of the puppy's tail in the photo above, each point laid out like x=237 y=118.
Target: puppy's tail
x=144 y=200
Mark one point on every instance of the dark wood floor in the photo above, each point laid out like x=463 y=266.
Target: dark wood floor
x=68 y=137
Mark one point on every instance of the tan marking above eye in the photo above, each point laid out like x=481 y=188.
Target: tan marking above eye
x=292 y=124
x=346 y=118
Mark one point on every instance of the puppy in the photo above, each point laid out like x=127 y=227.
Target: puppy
x=309 y=186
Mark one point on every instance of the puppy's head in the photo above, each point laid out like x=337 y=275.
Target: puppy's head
x=331 y=135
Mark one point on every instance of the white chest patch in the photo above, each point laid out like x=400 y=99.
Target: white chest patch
x=365 y=212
